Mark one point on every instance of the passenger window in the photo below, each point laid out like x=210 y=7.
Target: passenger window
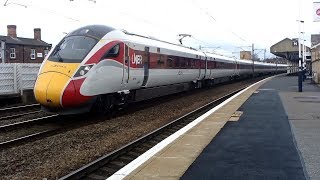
x=113 y=52
x=160 y=60
x=182 y=62
x=176 y=62
x=170 y=62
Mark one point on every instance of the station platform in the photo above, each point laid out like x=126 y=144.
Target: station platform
x=268 y=131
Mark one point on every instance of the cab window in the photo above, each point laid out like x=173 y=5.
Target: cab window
x=72 y=49
x=113 y=52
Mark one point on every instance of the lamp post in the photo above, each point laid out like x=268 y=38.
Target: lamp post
x=303 y=57
x=300 y=59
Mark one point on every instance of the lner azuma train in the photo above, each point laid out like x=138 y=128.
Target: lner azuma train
x=98 y=68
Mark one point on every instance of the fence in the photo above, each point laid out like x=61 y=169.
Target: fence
x=14 y=78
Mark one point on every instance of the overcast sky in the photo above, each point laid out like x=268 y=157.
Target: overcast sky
x=227 y=24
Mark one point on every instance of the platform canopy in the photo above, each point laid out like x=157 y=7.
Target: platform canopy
x=287 y=48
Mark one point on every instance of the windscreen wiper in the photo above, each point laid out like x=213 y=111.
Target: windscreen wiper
x=56 y=52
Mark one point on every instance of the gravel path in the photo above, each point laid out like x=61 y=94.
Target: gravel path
x=55 y=156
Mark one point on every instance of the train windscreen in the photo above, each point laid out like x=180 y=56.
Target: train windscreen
x=72 y=49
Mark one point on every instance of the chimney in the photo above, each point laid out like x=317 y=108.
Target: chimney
x=37 y=33
x=12 y=31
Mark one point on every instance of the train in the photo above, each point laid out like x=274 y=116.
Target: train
x=99 y=68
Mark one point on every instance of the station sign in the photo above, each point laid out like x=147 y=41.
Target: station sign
x=316 y=11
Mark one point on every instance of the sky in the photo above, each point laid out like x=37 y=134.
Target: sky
x=222 y=26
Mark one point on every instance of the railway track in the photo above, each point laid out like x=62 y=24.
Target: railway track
x=107 y=165
x=27 y=131
x=18 y=111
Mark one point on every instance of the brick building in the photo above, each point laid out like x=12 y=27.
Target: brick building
x=245 y=55
x=22 y=50
x=315 y=39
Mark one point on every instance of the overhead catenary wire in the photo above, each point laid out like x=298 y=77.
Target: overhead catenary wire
x=41 y=9
x=215 y=20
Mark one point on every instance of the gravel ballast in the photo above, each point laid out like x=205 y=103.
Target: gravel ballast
x=55 y=156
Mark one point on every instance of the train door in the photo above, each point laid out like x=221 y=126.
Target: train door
x=202 y=67
x=198 y=65
x=236 y=67
x=146 y=62
x=206 y=67
x=253 y=68
x=211 y=67
x=126 y=66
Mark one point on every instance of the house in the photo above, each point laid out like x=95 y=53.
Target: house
x=22 y=50
x=316 y=63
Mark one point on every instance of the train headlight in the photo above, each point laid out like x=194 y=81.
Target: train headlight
x=83 y=70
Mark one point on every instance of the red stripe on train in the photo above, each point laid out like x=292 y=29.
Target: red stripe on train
x=71 y=95
x=96 y=57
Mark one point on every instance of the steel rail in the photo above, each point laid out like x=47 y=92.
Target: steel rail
x=18 y=115
x=19 y=107
x=27 y=122
x=20 y=140
x=30 y=137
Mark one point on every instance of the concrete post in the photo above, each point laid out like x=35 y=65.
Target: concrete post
x=15 y=78
x=3 y=51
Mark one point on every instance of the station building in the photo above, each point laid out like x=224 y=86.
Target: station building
x=315 y=56
x=16 y=49
x=289 y=49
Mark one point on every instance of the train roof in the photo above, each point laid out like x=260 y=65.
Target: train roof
x=162 y=44
x=101 y=31
x=96 y=31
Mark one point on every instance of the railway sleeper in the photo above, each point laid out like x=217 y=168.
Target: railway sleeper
x=181 y=125
x=133 y=154
x=107 y=170
x=158 y=138
x=169 y=132
x=175 y=128
x=118 y=163
x=138 y=150
x=153 y=141
x=95 y=177
x=148 y=145
x=113 y=165
x=127 y=159
x=185 y=123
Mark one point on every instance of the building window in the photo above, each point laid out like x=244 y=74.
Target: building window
x=33 y=54
x=46 y=52
x=12 y=53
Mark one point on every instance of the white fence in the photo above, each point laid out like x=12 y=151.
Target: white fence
x=14 y=78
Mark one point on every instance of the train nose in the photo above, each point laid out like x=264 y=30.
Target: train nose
x=50 y=87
